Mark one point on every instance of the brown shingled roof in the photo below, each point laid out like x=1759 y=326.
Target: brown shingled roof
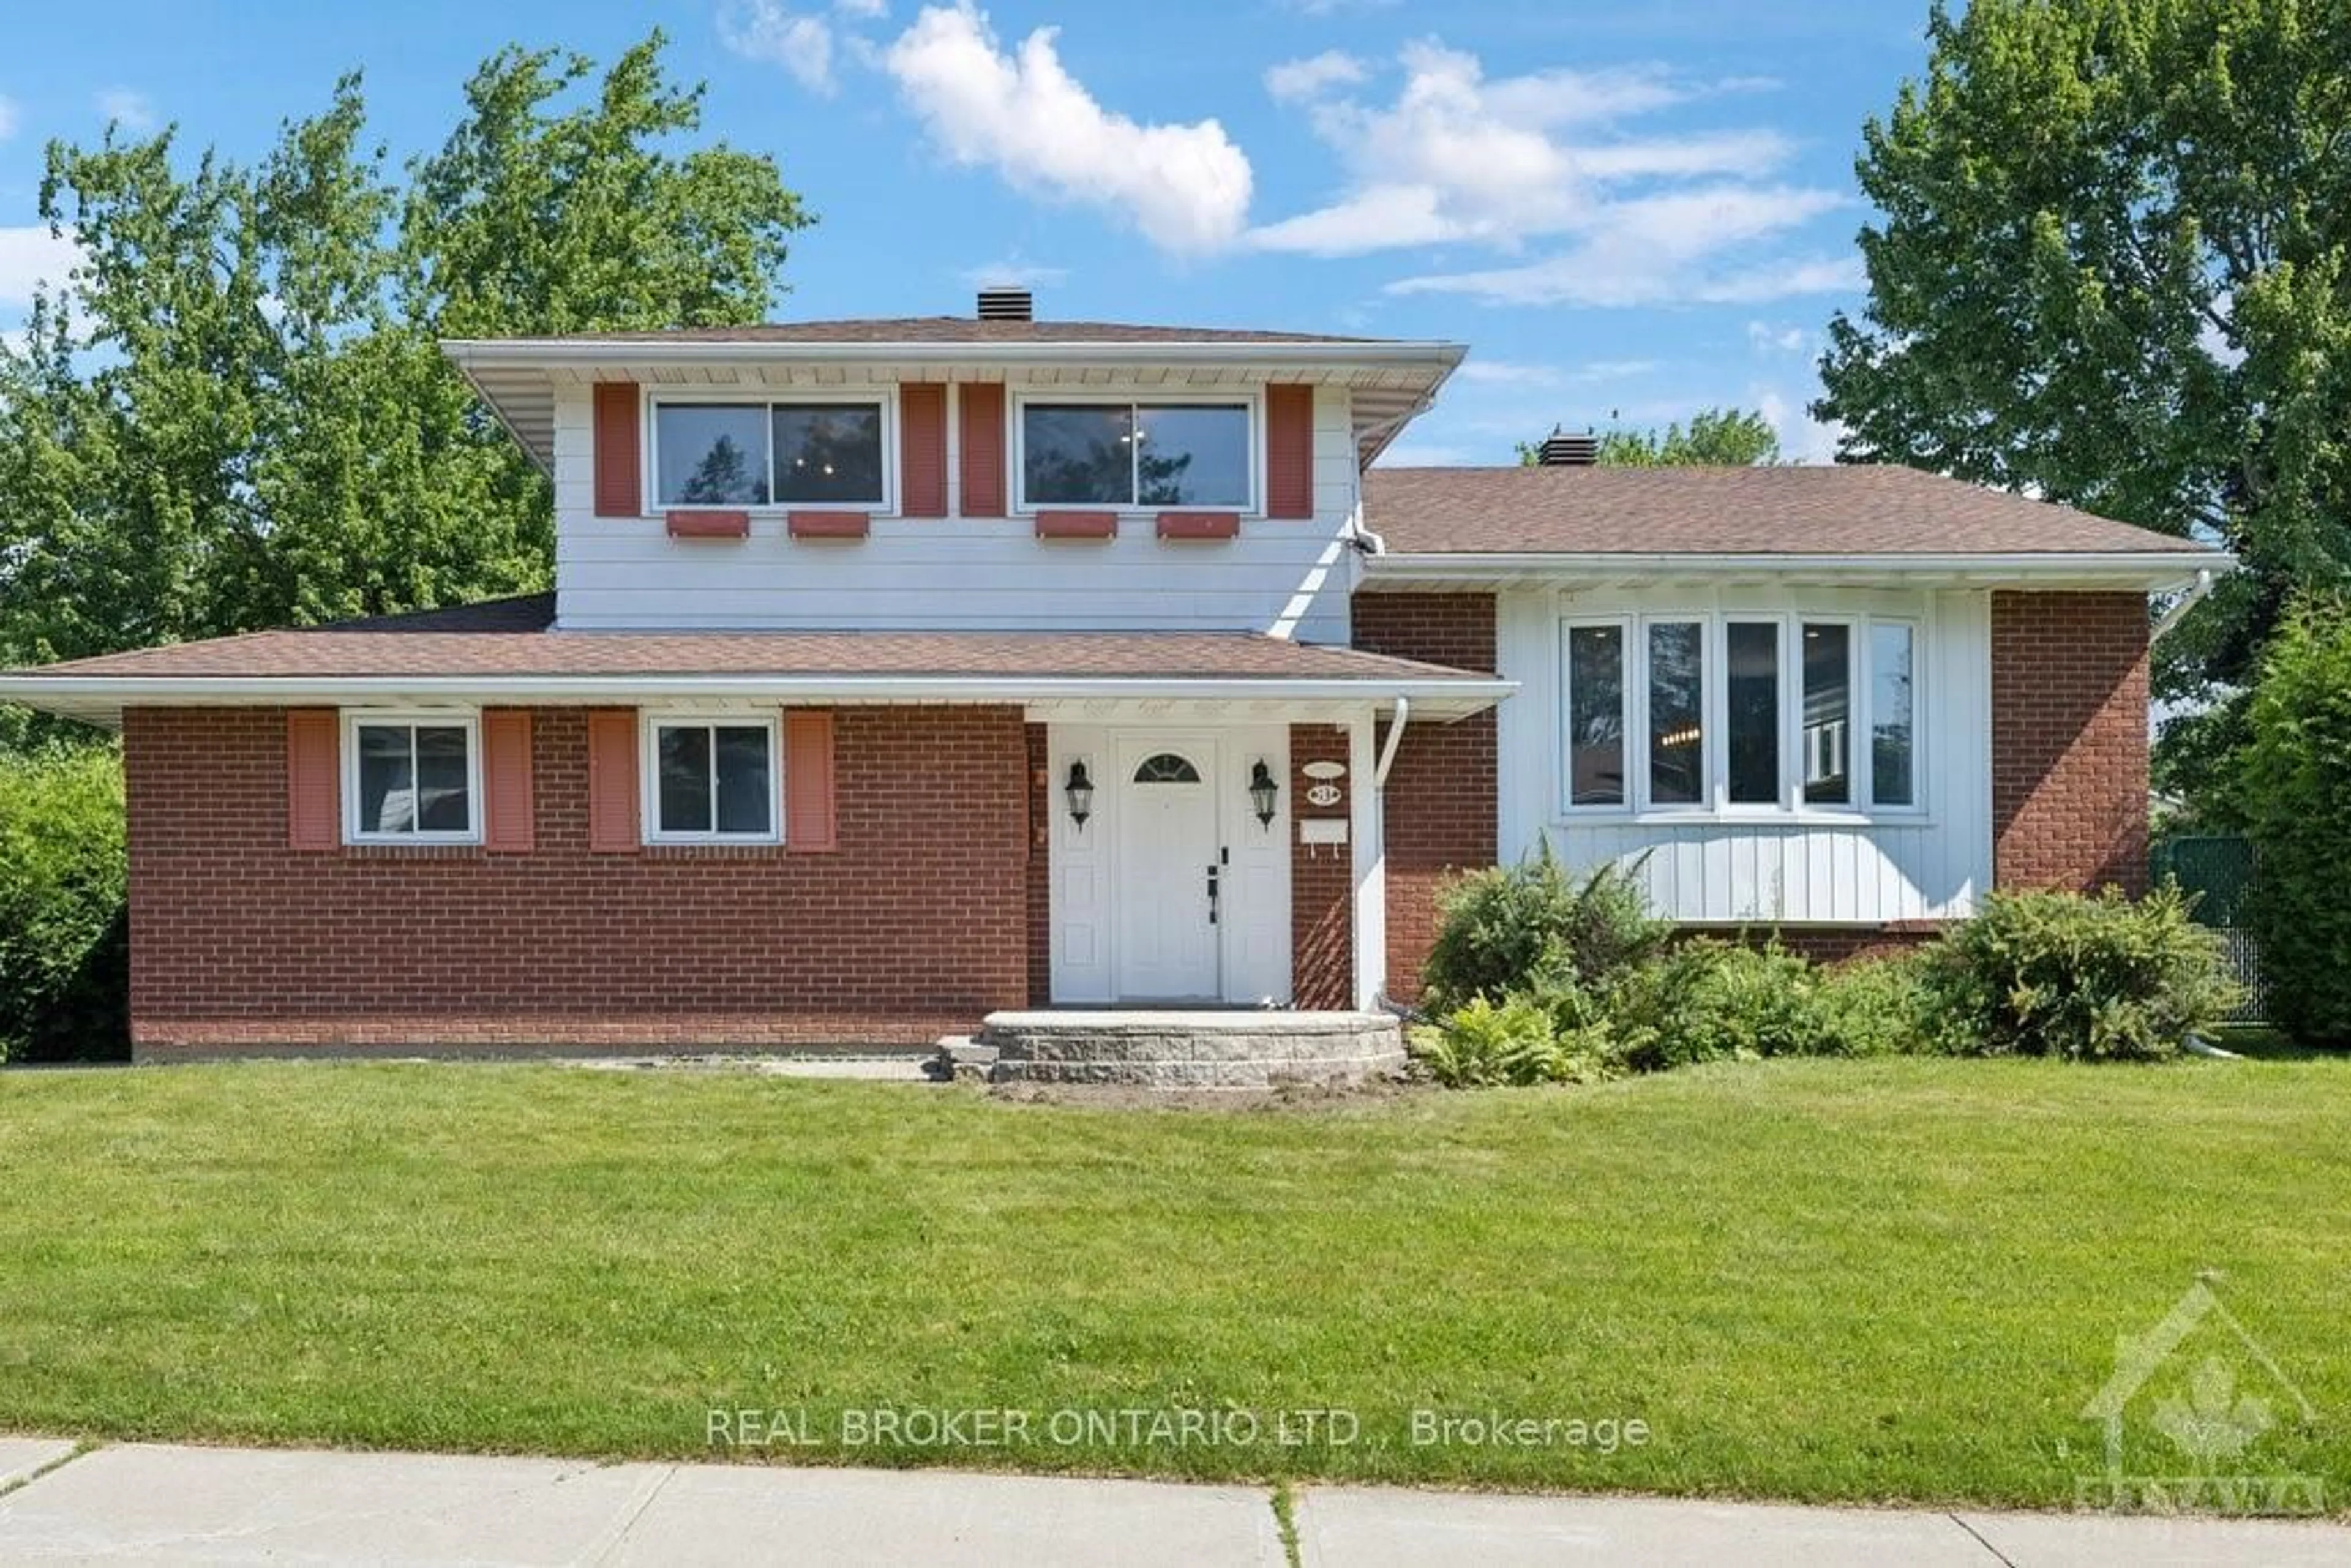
x=1847 y=510
x=512 y=637
x=952 y=330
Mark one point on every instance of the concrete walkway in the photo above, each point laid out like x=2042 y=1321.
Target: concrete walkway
x=160 y=1504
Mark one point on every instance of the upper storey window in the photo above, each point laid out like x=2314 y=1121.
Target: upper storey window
x=1137 y=454
x=769 y=454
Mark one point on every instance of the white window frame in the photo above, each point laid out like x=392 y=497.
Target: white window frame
x=1250 y=400
x=652 y=723
x=467 y=719
x=1628 y=627
x=1714 y=804
x=769 y=400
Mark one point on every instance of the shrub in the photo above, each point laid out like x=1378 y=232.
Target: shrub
x=2057 y=974
x=1483 y=1045
x=1881 y=1006
x=1709 y=1000
x=1510 y=929
x=2295 y=776
x=64 y=950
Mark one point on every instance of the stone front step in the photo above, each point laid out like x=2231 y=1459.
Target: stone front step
x=1191 y=1049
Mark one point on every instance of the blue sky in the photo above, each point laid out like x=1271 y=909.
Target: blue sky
x=1640 y=207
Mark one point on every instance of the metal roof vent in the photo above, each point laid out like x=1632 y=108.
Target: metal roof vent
x=1007 y=305
x=1561 y=450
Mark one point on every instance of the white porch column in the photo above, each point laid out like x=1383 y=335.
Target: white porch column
x=1367 y=834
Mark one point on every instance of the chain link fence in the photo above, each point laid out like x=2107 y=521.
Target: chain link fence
x=2219 y=869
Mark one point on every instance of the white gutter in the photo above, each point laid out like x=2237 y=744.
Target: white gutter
x=274 y=690
x=1395 y=736
x=1474 y=567
x=526 y=353
x=2178 y=612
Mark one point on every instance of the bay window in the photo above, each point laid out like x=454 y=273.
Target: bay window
x=1742 y=713
x=778 y=453
x=1137 y=454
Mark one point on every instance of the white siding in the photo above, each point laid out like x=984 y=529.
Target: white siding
x=1286 y=577
x=1933 y=866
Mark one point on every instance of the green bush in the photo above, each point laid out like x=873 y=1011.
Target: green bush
x=2057 y=974
x=64 y=948
x=1511 y=929
x=2296 y=794
x=1709 y=1000
x=1525 y=1039
x=1881 y=1006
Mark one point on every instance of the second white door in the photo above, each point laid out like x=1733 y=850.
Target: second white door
x=1167 y=871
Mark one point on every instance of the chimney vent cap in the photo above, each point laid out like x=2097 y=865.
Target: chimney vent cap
x=1561 y=450
x=1007 y=304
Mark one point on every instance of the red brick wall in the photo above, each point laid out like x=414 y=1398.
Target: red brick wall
x=1040 y=869
x=1441 y=791
x=913 y=927
x=2069 y=749
x=1322 y=882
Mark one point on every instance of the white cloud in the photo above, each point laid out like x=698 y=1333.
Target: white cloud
x=1503 y=373
x=9 y=117
x=868 y=10
x=1424 y=454
x=1186 y=187
x=132 y=110
x=763 y=30
x=1663 y=248
x=1766 y=338
x=1802 y=438
x=31 y=256
x=1014 y=273
x=1308 y=77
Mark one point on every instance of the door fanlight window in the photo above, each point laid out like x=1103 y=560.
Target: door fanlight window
x=1166 y=768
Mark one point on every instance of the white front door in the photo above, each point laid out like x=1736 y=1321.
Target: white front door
x=1167 y=863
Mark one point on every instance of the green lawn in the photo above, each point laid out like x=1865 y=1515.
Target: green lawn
x=1814 y=1280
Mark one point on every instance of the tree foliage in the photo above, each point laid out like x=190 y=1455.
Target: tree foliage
x=1715 y=438
x=236 y=414
x=2109 y=267
x=2297 y=794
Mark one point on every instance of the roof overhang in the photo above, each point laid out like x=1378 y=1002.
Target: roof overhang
x=101 y=699
x=1391 y=381
x=2145 y=571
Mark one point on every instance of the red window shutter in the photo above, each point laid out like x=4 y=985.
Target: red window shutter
x=612 y=780
x=1288 y=451
x=923 y=450
x=808 y=781
x=506 y=825
x=983 y=449
x=619 y=477
x=314 y=782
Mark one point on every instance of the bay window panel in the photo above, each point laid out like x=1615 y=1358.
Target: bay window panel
x=746 y=791
x=711 y=454
x=1893 y=762
x=1192 y=455
x=1595 y=716
x=1751 y=685
x=828 y=454
x=1077 y=453
x=1677 y=658
x=683 y=757
x=1828 y=714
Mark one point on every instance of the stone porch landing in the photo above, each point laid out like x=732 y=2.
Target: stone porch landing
x=1233 y=1048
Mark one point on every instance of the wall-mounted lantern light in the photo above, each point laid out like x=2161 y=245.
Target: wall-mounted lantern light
x=1080 y=792
x=1263 y=791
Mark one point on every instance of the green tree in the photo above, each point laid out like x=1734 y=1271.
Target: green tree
x=2298 y=797
x=236 y=414
x=1725 y=437
x=2109 y=267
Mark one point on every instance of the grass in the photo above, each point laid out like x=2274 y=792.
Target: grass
x=1875 y=1281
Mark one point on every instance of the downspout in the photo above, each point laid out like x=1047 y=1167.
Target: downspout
x=1380 y=783
x=2177 y=612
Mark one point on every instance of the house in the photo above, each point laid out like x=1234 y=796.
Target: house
x=900 y=671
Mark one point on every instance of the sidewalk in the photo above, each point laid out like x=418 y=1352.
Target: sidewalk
x=158 y=1504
